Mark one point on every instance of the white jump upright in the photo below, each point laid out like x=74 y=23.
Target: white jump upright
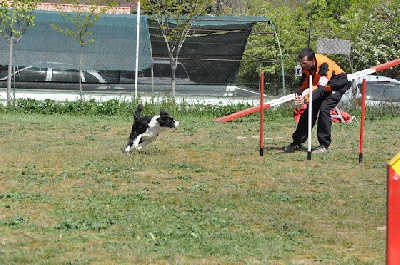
x=137 y=47
x=310 y=113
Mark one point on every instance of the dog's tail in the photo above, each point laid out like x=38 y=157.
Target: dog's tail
x=137 y=113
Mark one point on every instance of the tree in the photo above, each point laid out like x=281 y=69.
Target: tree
x=370 y=25
x=82 y=22
x=379 y=39
x=15 y=20
x=292 y=33
x=175 y=18
x=231 y=7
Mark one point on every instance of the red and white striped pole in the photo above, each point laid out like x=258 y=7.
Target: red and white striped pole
x=393 y=212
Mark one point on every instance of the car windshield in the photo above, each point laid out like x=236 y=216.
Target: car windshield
x=383 y=91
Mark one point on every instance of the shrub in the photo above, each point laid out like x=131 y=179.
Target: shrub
x=115 y=107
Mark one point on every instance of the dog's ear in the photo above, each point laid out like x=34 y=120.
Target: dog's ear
x=163 y=113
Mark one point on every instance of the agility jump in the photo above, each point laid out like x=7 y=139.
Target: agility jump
x=351 y=77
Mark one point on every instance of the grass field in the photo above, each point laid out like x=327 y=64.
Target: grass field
x=198 y=195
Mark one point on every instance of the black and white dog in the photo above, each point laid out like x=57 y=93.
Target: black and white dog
x=146 y=129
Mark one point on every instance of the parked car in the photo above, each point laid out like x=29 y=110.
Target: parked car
x=380 y=90
x=35 y=74
x=156 y=80
x=161 y=75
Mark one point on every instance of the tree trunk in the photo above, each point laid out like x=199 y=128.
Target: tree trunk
x=173 y=77
x=80 y=74
x=9 y=74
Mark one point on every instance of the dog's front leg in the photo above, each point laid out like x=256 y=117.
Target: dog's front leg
x=137 y=142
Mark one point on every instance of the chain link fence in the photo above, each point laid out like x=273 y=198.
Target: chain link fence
x=222 y=56
x=210 y=61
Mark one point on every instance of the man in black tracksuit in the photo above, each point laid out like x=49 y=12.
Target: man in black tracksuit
x=329 y=83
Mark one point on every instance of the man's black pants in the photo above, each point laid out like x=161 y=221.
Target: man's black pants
x=322 y=108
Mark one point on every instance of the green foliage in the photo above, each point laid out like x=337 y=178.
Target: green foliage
x=116 y=107
x=15 y=221
x=371 y=26
x=17 y=18
x=291 y=28
x=82 y=22
x=379 y=39
x=125 y=108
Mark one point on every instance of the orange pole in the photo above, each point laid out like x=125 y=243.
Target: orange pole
x=261 y=114
x=363 y=99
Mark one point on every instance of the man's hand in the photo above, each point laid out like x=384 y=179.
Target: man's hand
x=298 y=100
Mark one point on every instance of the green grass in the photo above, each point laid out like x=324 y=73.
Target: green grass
x=198 y=195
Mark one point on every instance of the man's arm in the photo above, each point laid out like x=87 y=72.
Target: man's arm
x=303 y=84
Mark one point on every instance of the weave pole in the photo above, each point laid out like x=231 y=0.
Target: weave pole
x=363 y=103
x=310 y=113
x=393 y=212
x=261 y=114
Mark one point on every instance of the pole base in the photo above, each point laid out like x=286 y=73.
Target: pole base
x=308 y=155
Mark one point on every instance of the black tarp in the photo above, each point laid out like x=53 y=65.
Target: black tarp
x=213 y=50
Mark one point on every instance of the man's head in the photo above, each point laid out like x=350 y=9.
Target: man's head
x=307 y=59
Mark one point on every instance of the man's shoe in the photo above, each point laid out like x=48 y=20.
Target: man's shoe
x=293 y=147
x=321 y=150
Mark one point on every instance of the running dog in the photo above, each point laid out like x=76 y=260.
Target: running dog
x=146 y=129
